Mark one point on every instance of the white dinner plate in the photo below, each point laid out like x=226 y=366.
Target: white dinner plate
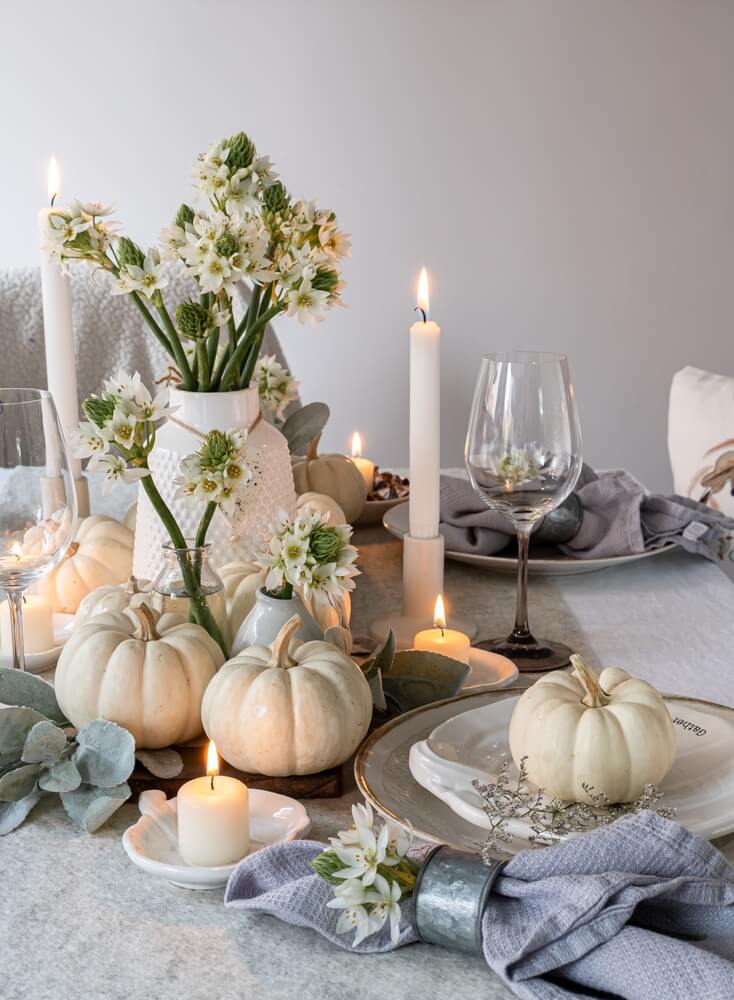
x=550 y=563
x=383 y=774
x=38 y=663
x=152 y=842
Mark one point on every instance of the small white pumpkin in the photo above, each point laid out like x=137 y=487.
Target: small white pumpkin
x=277 y=711
x=101 y=553
x=611 y=733
x=112 y=598
x=144 y=671
x=335 y=475
x=241 y=580
x=324 y=505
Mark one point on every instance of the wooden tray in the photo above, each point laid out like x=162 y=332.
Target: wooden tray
x=325 y=785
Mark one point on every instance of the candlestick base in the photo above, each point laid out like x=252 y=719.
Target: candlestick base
x=53 y=495
x=422 y=583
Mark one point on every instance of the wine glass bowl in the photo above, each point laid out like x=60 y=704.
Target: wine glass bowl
x=523 y=455
x=37 y=497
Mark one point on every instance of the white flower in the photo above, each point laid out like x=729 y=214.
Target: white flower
x=276 y=386
x=90 y=209
x=63 y=229
x=350 y=898
x=124 y=284
x=307 y=303
x=172 y=239
x=333 y=241
x=88 y=439
x=384 y=897
x=150 y=277
x=123 y=386
x=150 y=408
x=122 y=427
x=361 y=859
x=114 y=470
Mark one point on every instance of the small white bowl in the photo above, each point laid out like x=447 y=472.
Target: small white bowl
x=38 y=663
x=152 y=842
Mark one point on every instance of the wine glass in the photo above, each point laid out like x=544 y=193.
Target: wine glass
x=38 y=507
x=523 y=455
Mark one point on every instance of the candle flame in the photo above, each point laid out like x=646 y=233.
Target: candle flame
x=16 y=550
x=212 y=760
x=423 y=301
x=54 y=179
x=439 y=613
x=356 y=445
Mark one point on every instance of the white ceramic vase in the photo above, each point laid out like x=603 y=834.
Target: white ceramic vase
x=267 y=618
x=206 y=411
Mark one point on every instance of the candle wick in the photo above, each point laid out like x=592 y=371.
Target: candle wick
x=53 y=198
x=442 y=631
x=212 y=782
x=422 y=311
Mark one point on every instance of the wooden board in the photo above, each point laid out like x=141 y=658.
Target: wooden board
x=325 y=785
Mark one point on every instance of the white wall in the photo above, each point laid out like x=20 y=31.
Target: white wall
x=565 y=169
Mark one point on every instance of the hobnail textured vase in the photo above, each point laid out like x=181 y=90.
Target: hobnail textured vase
x=206 y=411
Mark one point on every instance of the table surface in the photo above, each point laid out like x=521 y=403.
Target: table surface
x=79 y=918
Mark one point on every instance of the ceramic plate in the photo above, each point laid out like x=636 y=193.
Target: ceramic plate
x=489 y=670
x=383 y=773
x=152 y=842
x=545 y=561
x=38 y=663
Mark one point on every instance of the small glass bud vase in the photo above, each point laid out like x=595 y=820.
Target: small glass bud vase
x=173 y=593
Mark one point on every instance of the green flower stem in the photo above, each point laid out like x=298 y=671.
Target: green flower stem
x=206 y=520
x=178 y=351
x=147 y=316
x=232 y=333
x=212 y=346
x=229 y=375
x=253 y=308
x=248 y=365
x=284 y=593
x=199 y=608
x=202 y=361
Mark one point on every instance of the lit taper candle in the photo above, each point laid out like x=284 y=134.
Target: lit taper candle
x=425 y=418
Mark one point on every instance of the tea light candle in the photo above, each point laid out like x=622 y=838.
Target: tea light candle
x=213 y=817
x=38 y=633
x=365 y=466
x=446 y=641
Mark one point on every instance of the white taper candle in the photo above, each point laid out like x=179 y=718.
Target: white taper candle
x=425 y=420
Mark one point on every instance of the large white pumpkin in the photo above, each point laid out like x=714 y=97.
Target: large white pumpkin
x=146 y=672
x=584 y=735
x=289 y=709
x=241 y=580
x=101 y=553
x=324 y=505
x=117 y=598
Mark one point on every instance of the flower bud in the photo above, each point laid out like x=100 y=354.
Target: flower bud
x=129 y=253
x=99 y=410
x=184 y=215
x=192 y=320
x=326 y=544
x=241 y=151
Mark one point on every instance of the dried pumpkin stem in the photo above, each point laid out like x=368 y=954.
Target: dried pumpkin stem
x=313 y=448
x=131 y=587
x=595 y=696
x=146 y=629
x=279 y=656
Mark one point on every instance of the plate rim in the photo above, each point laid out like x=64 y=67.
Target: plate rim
x=510 y=562
x=377 y=734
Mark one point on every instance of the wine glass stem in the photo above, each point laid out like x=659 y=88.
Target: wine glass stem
x=521 y=631
x=15 y=604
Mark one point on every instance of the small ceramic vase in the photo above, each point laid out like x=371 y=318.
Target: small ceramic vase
x=267 y=618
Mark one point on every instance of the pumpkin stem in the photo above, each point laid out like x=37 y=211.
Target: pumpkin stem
x=131 y=587
x=595 y=697
x=279 y=656
x=72 y=550
x=146 y=629
x=313 y=448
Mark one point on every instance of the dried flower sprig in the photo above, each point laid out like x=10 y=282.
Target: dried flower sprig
x=550 y=820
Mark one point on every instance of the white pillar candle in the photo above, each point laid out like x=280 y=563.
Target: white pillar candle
x=425 y=420
x=38 y=633
x=365 y=466
x=58 y=333
x=213 y=818
x=447 y=641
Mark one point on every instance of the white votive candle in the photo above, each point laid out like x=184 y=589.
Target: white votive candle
x=446 y=641
x=38 y=633
x=365 y=466
x=213 y=819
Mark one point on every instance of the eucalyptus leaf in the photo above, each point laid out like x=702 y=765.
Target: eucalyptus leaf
x=20 y=688
x=12 y=814
x=18 y=783
x=61 y=777
x=162 y=763
x=418 y=677
x=378 y=694
x=44 y=744
x=381 y=659
x=304 y=425
x=15 y=724
x=91 y=807
x=105 y=754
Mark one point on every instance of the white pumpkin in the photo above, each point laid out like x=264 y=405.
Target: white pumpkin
x=101 y=553
x=144 y=671
x=112 y=598
x=276 y=711
x=324 y=505
x=335 y=475
x=241 y=580
x=611 y=733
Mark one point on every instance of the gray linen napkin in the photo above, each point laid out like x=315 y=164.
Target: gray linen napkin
x=592 y=915
x=619 y=518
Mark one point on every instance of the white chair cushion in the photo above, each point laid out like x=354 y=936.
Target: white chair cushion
x=700 y=433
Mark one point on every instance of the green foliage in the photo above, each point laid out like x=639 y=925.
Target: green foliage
x=20 y=688
x=304 y=425
x=98 y=409
x=192 y=320
x=241 y=151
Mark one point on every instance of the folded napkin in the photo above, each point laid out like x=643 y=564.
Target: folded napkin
x=617 y=518
x=638 y=909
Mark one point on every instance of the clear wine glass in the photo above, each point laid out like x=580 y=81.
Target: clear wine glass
x=38 y=506
x=523 y=455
